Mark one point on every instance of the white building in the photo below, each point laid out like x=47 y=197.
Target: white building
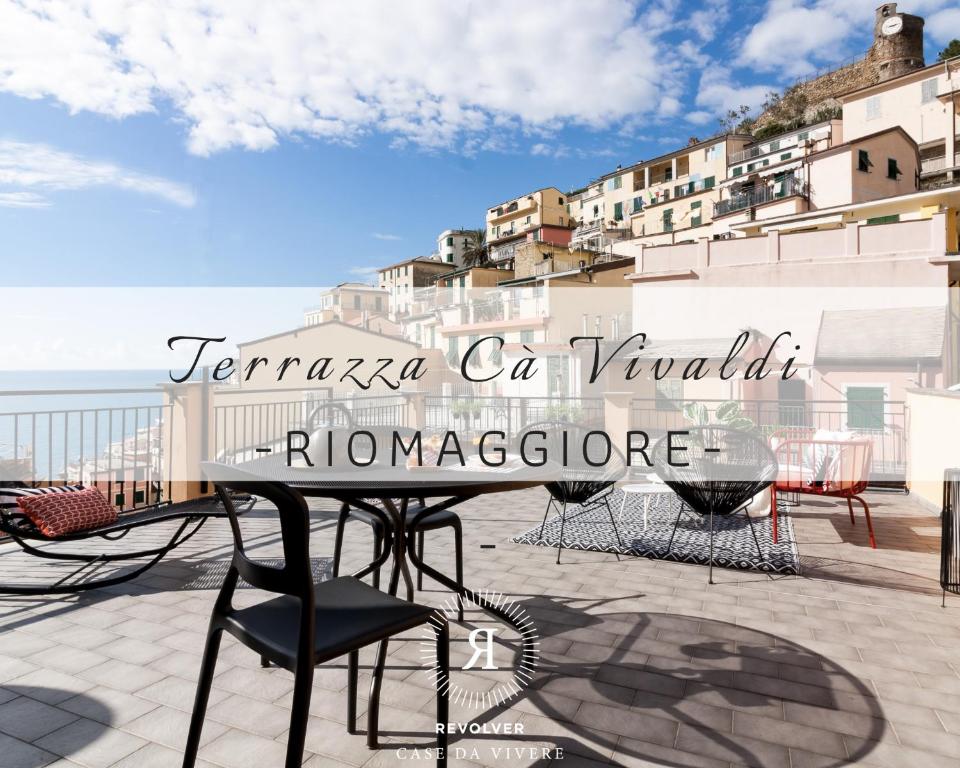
x=452 y=244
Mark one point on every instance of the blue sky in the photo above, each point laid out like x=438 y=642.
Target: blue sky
x=234 y=147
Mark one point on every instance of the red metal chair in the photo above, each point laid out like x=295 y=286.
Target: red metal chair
x=832 y=468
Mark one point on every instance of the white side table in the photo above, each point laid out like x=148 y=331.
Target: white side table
x=647 y=490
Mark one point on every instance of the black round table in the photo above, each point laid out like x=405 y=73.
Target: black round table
x=444 y=487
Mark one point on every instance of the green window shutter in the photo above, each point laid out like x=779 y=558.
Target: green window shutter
x=618 y=211
x=785 y=156
x=709 y=182
x=696 y=221
x=738 y=170
x=865 y=407
x=526 y=337
x=668 y=220
x=892 y=170
x=695 y=204
x=892 y=219
x=863 y=160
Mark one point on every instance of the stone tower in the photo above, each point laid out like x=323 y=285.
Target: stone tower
x=897 y=43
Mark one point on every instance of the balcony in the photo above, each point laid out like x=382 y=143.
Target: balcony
x=789 y=187
x=938 y=164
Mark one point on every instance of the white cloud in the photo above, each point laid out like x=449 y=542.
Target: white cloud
x=717 y=93
x=242 y=73
x=700 y=117
x=383 y=236
x=797 y=37
x=23 y=200
x=944 y=26
x=29 y=166
x=363 y=271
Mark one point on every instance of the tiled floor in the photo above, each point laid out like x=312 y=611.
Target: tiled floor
x=643 y=663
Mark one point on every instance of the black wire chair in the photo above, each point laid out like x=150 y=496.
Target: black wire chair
x=309 y=624
x=950 y=534
x=589 y=469
x=715 y=470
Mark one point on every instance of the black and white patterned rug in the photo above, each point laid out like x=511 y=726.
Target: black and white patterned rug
x=733 y=545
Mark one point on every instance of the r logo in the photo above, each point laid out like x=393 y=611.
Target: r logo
x=484 y=681
x=479 y=650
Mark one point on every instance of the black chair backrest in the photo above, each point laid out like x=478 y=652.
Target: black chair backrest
x=295 y=576
x=715 y=468
x=590 y=462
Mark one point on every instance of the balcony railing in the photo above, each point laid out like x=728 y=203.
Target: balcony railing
x=787 y=188
x=937 y=164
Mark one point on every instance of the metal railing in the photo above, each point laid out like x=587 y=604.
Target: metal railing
x=508 y=414
x=789 y=187
x=936 y=164
x=124 y=450
x=884 y=424
x=240 y=429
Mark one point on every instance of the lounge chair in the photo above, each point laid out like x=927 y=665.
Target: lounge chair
x=191 y=515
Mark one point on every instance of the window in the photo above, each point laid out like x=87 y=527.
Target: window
x=738 y=170
x=668 y=174
x=892 y=171
x=474 y=360
x=618 y=211
x=561 y=201
x=418 y=332
x=449 y=258
x=615 y=183
x=712 y=153
x=865 y=407
x=873 y=108
x=785 y=156
x=356 y=302
x=450 y=240
x=668 y=394
x=668 y=220
x=774 y=145
x=527 y=221
x=863 y=161
x=526 y=337
x=378 y=303
x=892 y=219
x=696 y=214
x=709 y=182
x=596 y=211
x=928 y=90
x=637 y=204
x=751 y=166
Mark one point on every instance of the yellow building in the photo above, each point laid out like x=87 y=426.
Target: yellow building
x=402 y=279
x=348 y=302
x=540 y=215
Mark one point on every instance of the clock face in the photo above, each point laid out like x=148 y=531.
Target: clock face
x=892 y=25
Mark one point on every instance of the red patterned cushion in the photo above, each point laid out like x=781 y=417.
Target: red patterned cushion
x=57 y=514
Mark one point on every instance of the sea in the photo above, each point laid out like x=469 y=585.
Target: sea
x=57 y=418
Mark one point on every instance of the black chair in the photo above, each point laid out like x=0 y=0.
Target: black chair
x=444 y=519
x=587 y=475
x=309 y=624
x=715 y=470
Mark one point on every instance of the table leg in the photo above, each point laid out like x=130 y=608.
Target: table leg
x=528 y=635
x=400 y=566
